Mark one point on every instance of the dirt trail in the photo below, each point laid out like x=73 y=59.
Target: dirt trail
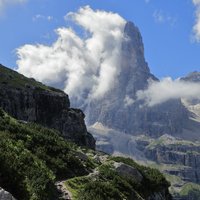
x=65 y=194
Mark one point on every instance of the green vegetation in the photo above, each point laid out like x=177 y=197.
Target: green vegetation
x=13 y=79
x=99 y=190
x=191 y=190
x=151 y=177
x=33 y=158
x=106 y=181
x=164 y=141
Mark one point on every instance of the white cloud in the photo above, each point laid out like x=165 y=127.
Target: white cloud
x=42 y=17
x=128 y=101
x=196 y=2
x=4 y=3
x=81 y=66
x=158 y=16
x=167 y=89
x=196 y=27
x=162 y=17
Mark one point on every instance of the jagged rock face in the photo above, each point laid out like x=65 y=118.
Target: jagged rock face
x=189 y=160
x=34 y=102
x=4 y=195
x=183 y=155
x=119 y=108
x=179 y=159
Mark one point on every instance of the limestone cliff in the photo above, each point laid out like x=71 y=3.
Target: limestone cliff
x=28 y=100
x=183 y=154
x=179 y=160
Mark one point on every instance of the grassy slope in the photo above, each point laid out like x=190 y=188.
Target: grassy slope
x=32 y=158
x=107 y=182
x=10 y=78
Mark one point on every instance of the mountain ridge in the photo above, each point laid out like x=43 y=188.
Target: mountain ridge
x=31 y=101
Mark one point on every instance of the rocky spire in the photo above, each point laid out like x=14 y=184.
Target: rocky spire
x=119 y=108
x=134 y=69
x=133 y=38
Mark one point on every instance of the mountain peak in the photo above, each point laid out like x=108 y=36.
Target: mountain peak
x=133 y=37
x=120 y=109
x=131 y=28
x=192 y=77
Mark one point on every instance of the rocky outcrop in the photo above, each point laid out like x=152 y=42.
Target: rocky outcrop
x=4 y=195
x=188 y=163
x=28 y=100
x=178 y=159
x=128 y=171
x=183 y=155
x=121 y=110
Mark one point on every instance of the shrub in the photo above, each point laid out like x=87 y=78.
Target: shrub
x=99 y=191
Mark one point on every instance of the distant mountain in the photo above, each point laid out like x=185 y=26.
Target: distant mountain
x=119 y=108
x=192 y=77
x=193 y=106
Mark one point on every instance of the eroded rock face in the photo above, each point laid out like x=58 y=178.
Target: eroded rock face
x=121 y=110
x=182 y=156
x=28 y=100
x=188 y=160
x=4 y=195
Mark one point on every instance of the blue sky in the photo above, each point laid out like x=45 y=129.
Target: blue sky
x=166 y=27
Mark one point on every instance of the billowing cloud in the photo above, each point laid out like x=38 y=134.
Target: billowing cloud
x=4 y=3
x=196 y=27
x=167 y=89
x=84 y=67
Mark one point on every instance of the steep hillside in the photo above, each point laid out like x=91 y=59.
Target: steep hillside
x=28 y=100
x=33 y=158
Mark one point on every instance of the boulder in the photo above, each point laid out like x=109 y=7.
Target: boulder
x=4 y=195
x=128 y=171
